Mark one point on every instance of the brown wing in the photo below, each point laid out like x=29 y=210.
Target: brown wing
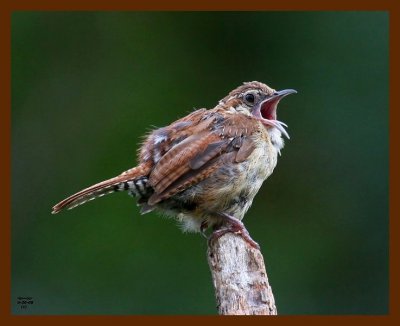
x=216 y=138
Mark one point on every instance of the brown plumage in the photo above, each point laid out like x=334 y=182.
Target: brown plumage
x=205 y=168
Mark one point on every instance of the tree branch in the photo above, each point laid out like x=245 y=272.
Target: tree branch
x=239 y=277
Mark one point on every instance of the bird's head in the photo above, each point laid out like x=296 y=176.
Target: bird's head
x=259 y=100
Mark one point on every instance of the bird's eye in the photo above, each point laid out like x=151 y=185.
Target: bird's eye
x=250 y=98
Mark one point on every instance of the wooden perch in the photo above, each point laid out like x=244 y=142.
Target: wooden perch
x=239 y=277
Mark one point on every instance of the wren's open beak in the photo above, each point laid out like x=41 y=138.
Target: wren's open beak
x=266 y=111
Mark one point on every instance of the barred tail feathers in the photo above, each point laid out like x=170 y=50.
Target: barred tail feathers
x=125 y=181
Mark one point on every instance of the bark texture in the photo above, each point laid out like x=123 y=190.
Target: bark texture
x=239 y=277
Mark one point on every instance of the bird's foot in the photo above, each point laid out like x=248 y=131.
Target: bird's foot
x=233 y=225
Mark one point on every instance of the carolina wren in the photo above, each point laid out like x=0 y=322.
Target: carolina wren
x=205 y=168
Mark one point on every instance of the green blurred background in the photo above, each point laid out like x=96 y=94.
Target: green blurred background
x=87 y=85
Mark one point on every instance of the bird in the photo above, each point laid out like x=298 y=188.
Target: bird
x=205 y=169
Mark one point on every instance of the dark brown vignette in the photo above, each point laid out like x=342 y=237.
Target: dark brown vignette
x=7 y=9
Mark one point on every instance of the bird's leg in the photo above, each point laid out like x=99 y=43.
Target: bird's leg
x=203 y=228
x=233 y=225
